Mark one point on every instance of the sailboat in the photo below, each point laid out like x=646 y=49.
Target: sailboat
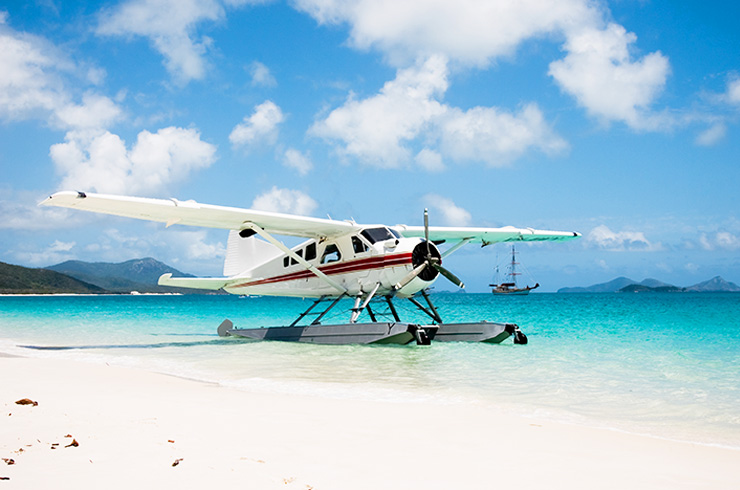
x=511 y=287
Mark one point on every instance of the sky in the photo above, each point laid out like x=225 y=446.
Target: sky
x=619 y=120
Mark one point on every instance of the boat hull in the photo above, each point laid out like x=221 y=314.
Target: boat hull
x=513 y=292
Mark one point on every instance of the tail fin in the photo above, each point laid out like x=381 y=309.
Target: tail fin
x=243 y=254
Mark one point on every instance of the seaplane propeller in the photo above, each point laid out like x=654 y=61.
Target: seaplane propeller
x=427 y=261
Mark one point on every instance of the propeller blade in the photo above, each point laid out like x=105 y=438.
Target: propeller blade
x=426 y=232
x=410 y=276
x=426 y=224
x=449 y=275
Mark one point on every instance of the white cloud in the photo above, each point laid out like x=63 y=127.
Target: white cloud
x=722 y=240
x=444 y=211
x=600 y=73
x=376 y=129
x=297 y=160
x=52 y=254
x=466 y=31
x=379 y=130
x=496 y=137
x=733 y=90
x=430 y=160
x=170 y=26
x=19 y=211
x=190 y=250
x=261 y=76
x=241 y=3
x=603 y=238
x=598 y=69
x=712 y=135
x=59 y=246
x=260 y=127
x=33 y=84
x=188 y=245
x=96 y=111
x=285 y=201
x=30 y=75
x=101 y=162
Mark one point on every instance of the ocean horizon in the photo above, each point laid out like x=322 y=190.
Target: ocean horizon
x=664 y=365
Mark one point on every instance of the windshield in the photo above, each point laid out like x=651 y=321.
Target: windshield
x=377 y=234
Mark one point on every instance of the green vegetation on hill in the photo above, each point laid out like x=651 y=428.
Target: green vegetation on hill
x=15 y=279
x=79 y=277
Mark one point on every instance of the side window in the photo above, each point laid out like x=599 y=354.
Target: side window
x=298 y=253
x=311 y=251
x=358 y=245
x=331 y=254
x=286 y=261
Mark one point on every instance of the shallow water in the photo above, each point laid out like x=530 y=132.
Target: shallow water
x=661 y=364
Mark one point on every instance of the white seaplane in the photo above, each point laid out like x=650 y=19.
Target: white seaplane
x=339 y=259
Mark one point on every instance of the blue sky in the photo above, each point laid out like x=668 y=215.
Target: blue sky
x=615 y=119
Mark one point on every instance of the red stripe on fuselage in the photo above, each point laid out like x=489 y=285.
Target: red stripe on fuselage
x=370 y=263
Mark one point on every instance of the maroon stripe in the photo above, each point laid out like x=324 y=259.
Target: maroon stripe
x=336 y=269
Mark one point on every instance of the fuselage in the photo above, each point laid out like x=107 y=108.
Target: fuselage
x=357 y=262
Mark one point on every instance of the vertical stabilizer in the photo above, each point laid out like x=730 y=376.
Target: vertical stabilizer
x=243 y=254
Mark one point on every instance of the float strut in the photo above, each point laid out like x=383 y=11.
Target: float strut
x=300 y=317
x=316 y=322
x=432 y=311
x=437 y=318
x=392 y=308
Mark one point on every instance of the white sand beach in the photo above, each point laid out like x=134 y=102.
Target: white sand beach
x=132 y=426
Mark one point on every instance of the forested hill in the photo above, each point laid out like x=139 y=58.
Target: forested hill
x=15 y=279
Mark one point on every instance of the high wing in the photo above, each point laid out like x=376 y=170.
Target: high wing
x=486 y=236
x=172 y=211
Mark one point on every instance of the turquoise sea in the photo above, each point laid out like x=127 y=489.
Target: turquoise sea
x=667 y=365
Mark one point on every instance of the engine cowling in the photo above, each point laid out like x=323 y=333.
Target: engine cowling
x=419 y=256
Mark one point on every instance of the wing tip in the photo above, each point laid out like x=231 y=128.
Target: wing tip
x=63 y=198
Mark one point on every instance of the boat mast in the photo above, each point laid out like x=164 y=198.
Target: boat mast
x=514 y=273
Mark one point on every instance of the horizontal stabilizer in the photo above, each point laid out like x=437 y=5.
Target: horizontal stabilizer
x=214 y=283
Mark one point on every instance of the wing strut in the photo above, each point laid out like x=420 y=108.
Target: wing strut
x=459 y=244
x=312 y=268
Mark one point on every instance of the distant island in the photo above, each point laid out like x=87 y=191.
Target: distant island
x=78 y=277
x=627 y=285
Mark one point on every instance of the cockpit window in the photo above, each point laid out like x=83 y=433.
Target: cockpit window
x=374 y=235
x=331 y=254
